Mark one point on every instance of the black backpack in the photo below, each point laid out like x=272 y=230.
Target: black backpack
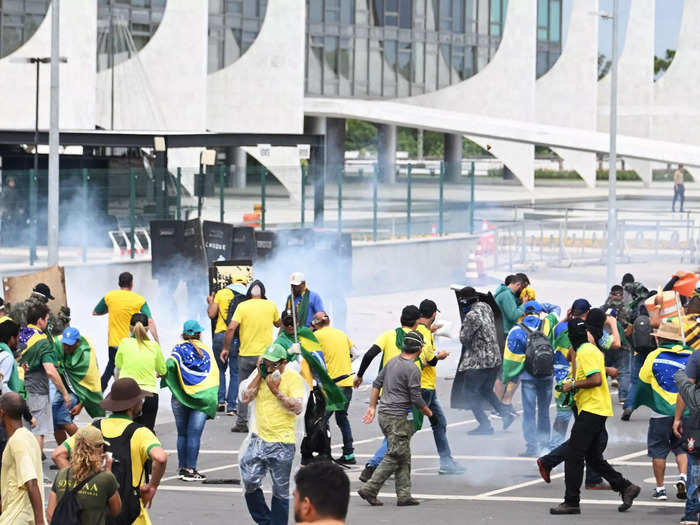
x=237 y=299
x=539 y=353
x=642 y=340
x=120 y=447
x=68 y=509
x=318 y=435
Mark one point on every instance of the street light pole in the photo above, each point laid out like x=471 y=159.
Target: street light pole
x=53 y=138
x=612 y=159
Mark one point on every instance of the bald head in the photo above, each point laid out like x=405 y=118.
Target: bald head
x=12 y=406
x=320 y=320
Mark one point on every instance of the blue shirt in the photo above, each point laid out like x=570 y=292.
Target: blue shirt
x=315 y=305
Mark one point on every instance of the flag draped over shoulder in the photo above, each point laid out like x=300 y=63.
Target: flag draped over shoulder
x=193 y=379
x=314 y=366
x=82 y=374
x=15 y=382
x=656 y=387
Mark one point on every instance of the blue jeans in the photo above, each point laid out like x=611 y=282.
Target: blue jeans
x=439 y=425
x=637 y=363
x=341 y=418
x=227 y=397
x=693 y=480
x=379 y=454
x=560 y=427
x=536 y=397
x=189 y=424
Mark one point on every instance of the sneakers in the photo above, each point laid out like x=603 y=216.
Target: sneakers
x=366 y=473
x=564 y=508
x=407 y=502
x=659 y=495
x=681 y=491
x=221 y=407
x=347 y=459
x=508 y=419
x=481 y=431
x=626 y=414
x=628 y=496
x=544 y=471
x=453 y=469
x=240 y=427
x=369 y=498
x=190 y=475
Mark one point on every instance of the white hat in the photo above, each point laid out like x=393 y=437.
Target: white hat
x=297 y=278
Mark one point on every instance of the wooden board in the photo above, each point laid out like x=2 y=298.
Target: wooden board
x=19 y=287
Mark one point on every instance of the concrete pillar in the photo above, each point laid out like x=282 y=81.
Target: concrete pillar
x=386 y=152
x=317 y=165
x=453 y=157
x=240 y=160
x=335 y=143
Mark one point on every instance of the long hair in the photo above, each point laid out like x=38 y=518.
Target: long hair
x=140 y=333
x=85 y=460
x=192 y=339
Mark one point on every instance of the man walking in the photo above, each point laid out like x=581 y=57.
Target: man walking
x=621 y=357
x=22 y=482
x=255 y=319
x=306 y=302
x=678 y=188
x=278 y=393
x=121 y=304
x=400 y=381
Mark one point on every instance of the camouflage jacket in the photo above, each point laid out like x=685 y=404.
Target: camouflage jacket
x=57 y=322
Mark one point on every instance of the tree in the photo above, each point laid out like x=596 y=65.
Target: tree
x=604 y=65
x=662 y=64
x=360 y=135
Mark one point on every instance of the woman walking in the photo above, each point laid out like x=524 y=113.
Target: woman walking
x=140 y=358
x=193 y=377
x=88 y=462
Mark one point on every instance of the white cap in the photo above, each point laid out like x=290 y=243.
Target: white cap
x=297 y=278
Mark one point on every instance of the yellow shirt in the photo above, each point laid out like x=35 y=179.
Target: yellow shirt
x=21 y=462
x=387 y=344
x=140 y=362
x=590 y=360
x=256 y=317
x=428 y=379
x=142 y=442
x=336 y=351
x=222 y=298
x=273 y=422
x=121 y=305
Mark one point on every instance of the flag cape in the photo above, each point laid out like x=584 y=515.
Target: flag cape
x=314 y=366
x=656 y=387
x=15 y=383
x=193 y=380
x=34 y=344
x=80 y=371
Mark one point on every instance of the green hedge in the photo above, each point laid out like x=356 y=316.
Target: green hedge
x=622 y=175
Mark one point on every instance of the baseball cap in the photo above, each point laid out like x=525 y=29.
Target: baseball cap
x=297 y=278
x=192 y=327
x=427 y=308
x=70 y=336
x=581 y=305
x=413 y=341
x=92 y=435
x=44 y=290
x=532 y=307
x=275 y=353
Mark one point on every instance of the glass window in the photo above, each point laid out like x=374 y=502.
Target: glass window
x=233 y=27
x=19 y=20
x=555 y=22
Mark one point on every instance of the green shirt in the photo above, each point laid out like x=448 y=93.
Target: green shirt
x=140 y=362
x=93 y=497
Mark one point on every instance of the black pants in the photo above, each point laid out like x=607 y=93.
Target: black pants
x=109 y=369
x=149 y=412
x=479 y=385
x=585 y=444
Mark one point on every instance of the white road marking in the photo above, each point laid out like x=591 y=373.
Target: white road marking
x=208 y=451
x=477 y=458
x=213 y=469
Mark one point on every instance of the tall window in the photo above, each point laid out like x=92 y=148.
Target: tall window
x=19 y=19
x=233 y=27
x=549 y=24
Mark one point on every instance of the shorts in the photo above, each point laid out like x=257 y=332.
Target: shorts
x=40 y=408
x=61 y=414
x=661 y=440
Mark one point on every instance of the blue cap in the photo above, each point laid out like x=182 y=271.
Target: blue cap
x=532 y=307
x=192 y=327
x=70 y=336
x=581 y=305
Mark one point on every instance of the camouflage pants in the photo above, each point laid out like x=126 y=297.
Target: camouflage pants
x=397 y=461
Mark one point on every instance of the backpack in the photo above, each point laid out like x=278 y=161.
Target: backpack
x=318 y=434
x=68 y=509
x=642 y=340
x=539 y=353
x=690 y=437
x=237 y=299
x=120 y=447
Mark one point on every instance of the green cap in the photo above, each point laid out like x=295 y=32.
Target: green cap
x=275 y=353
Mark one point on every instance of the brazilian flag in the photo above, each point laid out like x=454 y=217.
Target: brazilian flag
x=80 y=371
x=656 y=387
x=193 y=378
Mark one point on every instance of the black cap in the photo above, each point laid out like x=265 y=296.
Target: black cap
x=410 y=315
x=44 y=290
x=427 y=308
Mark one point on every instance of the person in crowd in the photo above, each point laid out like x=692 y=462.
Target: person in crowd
x=140 y=358
x=255 y=318
x=337 y=353
x=41 y=294
x=3 y=310
x=478 y=367
x=399 y=381
x=121 y=304
x=222 y=306
x=89 y=465
x=678 y=188
x=430 y=357
x=10 y=379
x=22 y=480
x=306 y=302
x=634 y=291
x=620 y=358
x=322 y=494
x=42 y=365
x=642 y=343
x=193 y=380
x=594 y=406
x=278 y=392
x=125 y=401
x=689 y=397
x=537 y=391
